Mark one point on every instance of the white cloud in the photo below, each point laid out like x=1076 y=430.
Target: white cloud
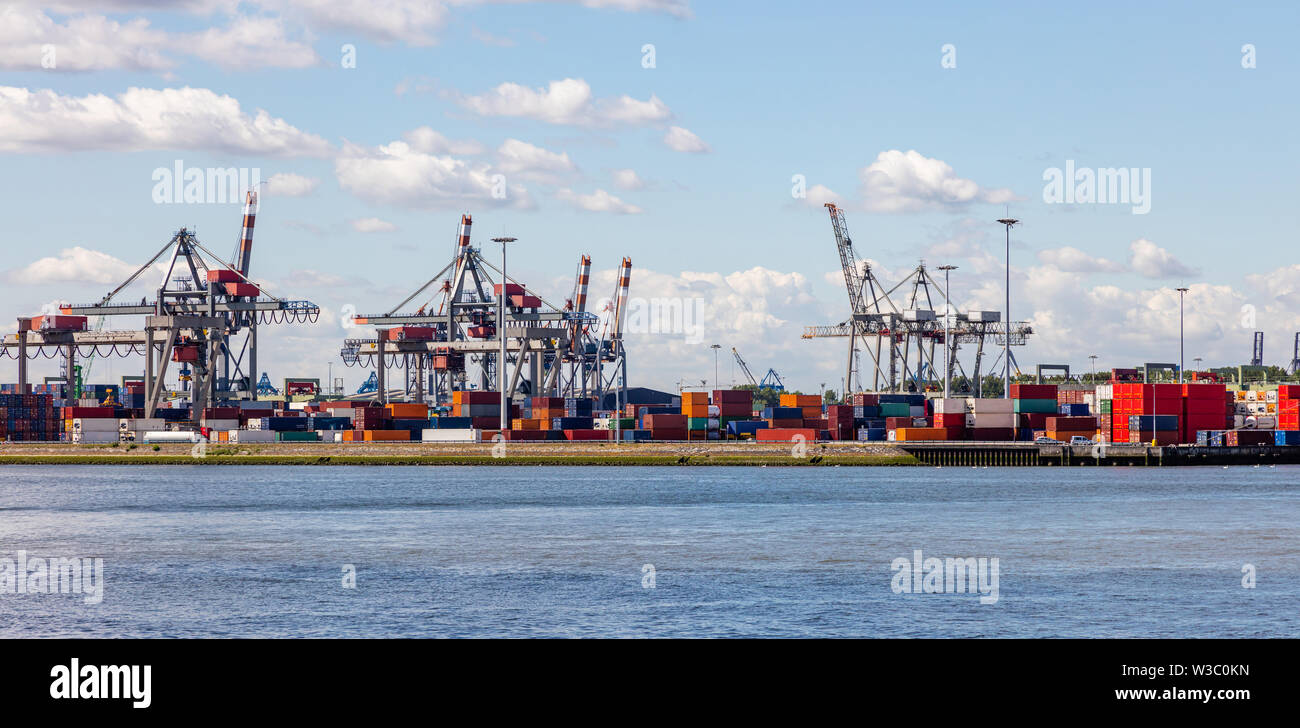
x=1153 y=261
x=909 y=181
x=248 y=44
x=397 y=174
x=525 y=161
x=627 y=179
x=72 y=265
x=1073 y=260
x=372 y=225
x=145 y=119
x=84 y=43
x=93 y=42
x=288 y=184
x=568 y=102
x=598 y=201
x=683 y=140
x=425 y=139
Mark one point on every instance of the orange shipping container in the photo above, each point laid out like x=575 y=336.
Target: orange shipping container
x=694 y=398
x=801 y=400
x=912 y=434
x=387 y=435
x=408 y=410
x=696 y=410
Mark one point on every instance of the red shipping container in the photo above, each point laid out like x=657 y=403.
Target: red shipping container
x=224 y=275
x=74 y=413
x=1288 y=391
x=523 y=434
x=512 y=289
x=411 y=333
x=1248 y=438
x=788 y=423
x=1205 y=407
x=1031 y=420
x=485 y=423
x=1033 y=391
x=1205 y=391
x=956 y=419
x=665 y=422
x=785 y=434
x=733 y=396
x=1072 y=424
x=864 y=399
x=668 y=433
x=525 y=302
x=588 y=434
x=735 y=409
x=242 y=289
x=991 y=434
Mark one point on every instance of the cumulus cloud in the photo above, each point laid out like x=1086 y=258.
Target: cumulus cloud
x=627 y=179
x=72 y=265
x=1073 y=260
x=145 y=119
x=398 y=174
x=567 y=102
x=288 y=184
x=32 y=40
x=1153 y=261
x=909 y=181
x=683 y=140
x=528 y=162
x=372 y=225
x=598 y=201
x=425 y=139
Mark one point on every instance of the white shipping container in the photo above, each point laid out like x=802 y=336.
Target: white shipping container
x=1105 y=391
x=95 y=437
x=297 y=405
x=466 y=435
x=994 y=406
x=142 y=425
x=247 y=436
x=221 y=424
x=164 y=436
x=96 y=424
x=950 y=406
x=994 y=419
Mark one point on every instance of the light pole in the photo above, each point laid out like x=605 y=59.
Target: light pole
x=947 y=325
x=715 y=348
x=504 y=423
x=1006 y=349
x=1093 y=357
x=1181 y=291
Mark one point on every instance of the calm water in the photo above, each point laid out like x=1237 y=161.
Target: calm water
x=479 y=551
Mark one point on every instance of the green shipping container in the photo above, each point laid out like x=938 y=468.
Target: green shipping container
x=297 y=437
x=1103 y=407
x=895 y=409
x=697 y=423
x=1048 y=406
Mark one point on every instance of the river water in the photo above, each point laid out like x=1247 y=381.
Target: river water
x=234 y=551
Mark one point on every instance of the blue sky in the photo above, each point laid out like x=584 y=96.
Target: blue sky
x=770 y=90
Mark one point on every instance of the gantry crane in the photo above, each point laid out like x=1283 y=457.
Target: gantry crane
x=201 y=304
x=890 y=334
x=458 y=342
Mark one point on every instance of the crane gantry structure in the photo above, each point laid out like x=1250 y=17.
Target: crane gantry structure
x=905 y=337
x=454 y=345
x=771 y=380
x=199 y=311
